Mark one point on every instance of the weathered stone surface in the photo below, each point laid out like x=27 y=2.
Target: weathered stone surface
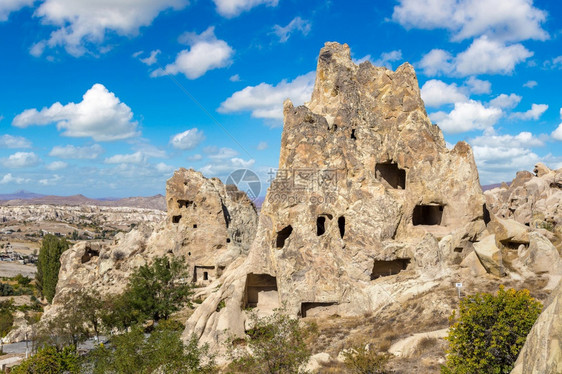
x=542 y=352
x=490 y=255
x=532 y=200
x=541 y=256
x=407 y=347
x=366 y=189
x=473 y=264
x=217 y=226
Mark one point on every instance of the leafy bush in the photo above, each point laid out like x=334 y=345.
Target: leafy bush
x=162 y=352
x=22 y=280
x=48 y=265
x=490 y=332
x=154 y=292
x=50 y=360
x=6 y=289
x=363 y=359
x=278 y=346
x=6 y=317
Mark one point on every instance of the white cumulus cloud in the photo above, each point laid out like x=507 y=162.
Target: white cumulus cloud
x=467 y=116
x=21 y=160
x=530 y=84
x=205 y=53
x=188 y=139
x=83 y=22
x=436 y=93
x=266 y=100
x=483 y=56
x=133 y=158
x=505 y=20
x=9 y=178
x=9 y=141
x=100 y=115
x=387 y=57
x=152 y=59
x=504 y=101
x=232 y=8
x=9 y=6
x=297 y=24
x=534 y=113
x=57 y=165
x=72 y=152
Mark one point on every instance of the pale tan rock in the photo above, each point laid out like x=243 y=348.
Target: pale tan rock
x=316 y=361
x=542 y=352
x=472 y=263
x=216 y=227
x=541 y=256
x=365 y=192
x=407 y=347
x=490 y=255
x=509 y=232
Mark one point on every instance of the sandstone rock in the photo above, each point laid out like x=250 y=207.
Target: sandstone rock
x=509 y=232
x=316 y=362
x=541 y=256
x=532 y=200
x=23 y=330
x=473 y=264
x=407 y=347
x=490 y=255
x=542 y=352
x=211 y=225
x=365 y=190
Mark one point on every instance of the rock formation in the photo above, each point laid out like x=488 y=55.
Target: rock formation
x=542 y=352
x=368 y=203
x=211 y=225
x=534 y=200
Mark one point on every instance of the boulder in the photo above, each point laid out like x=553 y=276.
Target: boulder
x=473 y=264
x=490 y=255
x=542 y=352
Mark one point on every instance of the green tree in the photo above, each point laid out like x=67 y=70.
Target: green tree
x=48 y=265
x=490 y=331
x=6 y=317
x=278 y=345
x=50 y=360
x=154 y=291
x=79 y=319
x=162 y=352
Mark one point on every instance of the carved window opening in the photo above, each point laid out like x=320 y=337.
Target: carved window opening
x=386 y=268
x=201 y=273
x=228 y=240
x=282 y=236
x=195 y=226
x=184 y=203
x=320 y=225
x=311 y=309
x=260 y=289
x=428 y=215
x=392 y=174
x=353 y=134
x=176 y=219
x=341 y=226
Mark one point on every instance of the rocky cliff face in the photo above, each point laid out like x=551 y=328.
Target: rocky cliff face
x=368 y=205
x=542 y=352
x=532 y=199
x=211 y=225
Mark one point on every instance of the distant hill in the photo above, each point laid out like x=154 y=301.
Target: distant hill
x=20 y=195
x=30 y=198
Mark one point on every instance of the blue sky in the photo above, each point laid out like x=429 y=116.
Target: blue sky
x=108 y=98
